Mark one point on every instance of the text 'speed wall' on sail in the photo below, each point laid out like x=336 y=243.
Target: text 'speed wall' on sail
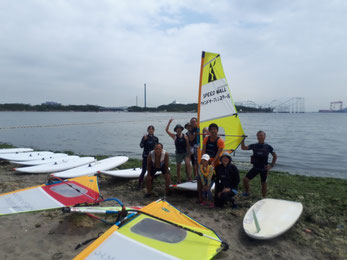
x=216 y=104
x=216 y=101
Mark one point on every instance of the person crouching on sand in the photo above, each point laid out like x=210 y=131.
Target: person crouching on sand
x=158 y=160
x=259 y=159
x=227 y=181
x=182 y=149
x=147 y=143
x=206 y=174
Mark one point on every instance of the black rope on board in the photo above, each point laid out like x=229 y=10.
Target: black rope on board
x=88 y=241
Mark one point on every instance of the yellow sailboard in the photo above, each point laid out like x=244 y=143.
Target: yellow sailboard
x=215 y=103
x=157 y=231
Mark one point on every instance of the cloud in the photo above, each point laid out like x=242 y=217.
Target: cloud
x=102 y=52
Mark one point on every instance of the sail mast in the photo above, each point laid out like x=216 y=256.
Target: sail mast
x=199 y=101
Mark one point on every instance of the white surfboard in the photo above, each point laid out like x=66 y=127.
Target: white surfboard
x=46 y=161
x=126 y=173
x=15 y=150
x=57 y=166
x=42 y=158
x=92 y=168
x=188 y=186
x=269 y=218
x=25 y=156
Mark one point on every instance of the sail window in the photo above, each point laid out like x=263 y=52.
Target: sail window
x=159 y=231
x=67 y=191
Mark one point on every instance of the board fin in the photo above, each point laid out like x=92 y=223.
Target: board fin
x=256 y=221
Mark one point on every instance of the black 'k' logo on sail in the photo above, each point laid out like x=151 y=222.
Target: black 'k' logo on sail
x=212 y=74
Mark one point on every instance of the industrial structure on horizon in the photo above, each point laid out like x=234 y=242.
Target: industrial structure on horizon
x=335 y=106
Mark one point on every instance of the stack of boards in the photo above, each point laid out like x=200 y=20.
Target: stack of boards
x=62 y=165
x=92 y=167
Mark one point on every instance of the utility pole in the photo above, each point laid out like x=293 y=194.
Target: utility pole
x=145 y=96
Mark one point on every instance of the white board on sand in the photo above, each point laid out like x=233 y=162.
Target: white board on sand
x=57 y=166
x=92 y=168
x=188 y=186
x=43 y=158
x=46 y=161
x=15 y=150
x=126 y=173
x=25 y=156
x=269 y=218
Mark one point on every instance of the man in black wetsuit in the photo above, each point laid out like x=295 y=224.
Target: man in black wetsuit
x=259 y=159
x=147 y=143
x=227 y=181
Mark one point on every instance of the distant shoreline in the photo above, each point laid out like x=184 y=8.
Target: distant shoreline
x=55 y=107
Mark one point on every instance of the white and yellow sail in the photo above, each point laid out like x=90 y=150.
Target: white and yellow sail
x=158 y=231
x=216 y=104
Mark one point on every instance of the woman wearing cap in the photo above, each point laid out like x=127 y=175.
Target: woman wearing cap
x=227 y=181
x=182 y=149
x=206 y=173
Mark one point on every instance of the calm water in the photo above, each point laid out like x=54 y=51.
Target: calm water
x=310 y=144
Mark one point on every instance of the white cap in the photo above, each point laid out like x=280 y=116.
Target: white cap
x=205 y=157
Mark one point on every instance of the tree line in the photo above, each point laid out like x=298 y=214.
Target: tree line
x=193 y=107
x=46 y=107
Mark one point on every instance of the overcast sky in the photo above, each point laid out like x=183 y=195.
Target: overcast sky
x=102 y=52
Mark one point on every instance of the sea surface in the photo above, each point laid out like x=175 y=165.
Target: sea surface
x=312 y=144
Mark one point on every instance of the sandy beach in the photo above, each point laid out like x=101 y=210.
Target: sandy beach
x=54 y=235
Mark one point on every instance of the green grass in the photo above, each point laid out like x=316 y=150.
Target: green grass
x=3 y=146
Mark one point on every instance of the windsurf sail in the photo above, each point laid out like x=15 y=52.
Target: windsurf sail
x=50 y=196
x=215 y=103
x=157 y=231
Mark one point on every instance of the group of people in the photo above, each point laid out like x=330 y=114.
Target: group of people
x=213 y=168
